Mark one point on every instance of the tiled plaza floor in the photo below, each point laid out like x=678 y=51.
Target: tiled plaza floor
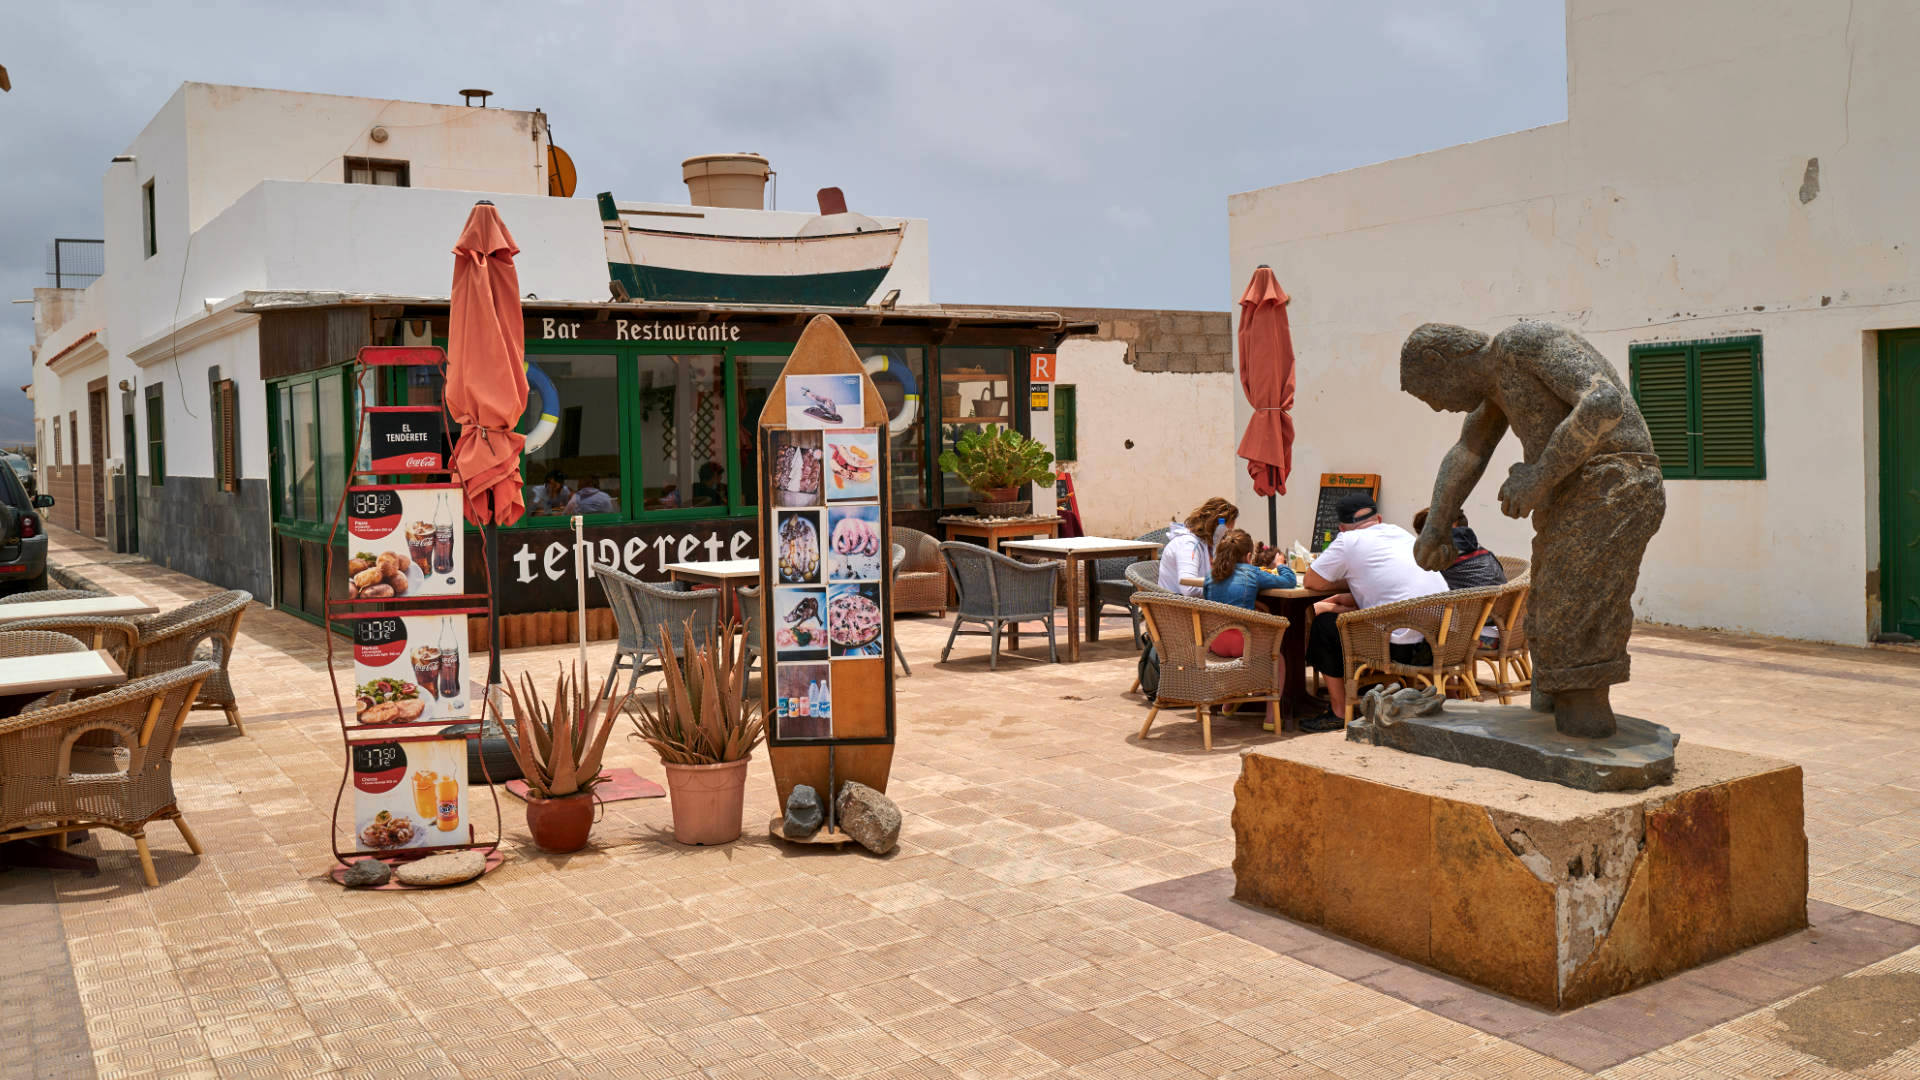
x=999 y=941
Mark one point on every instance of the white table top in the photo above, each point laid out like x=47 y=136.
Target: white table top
x=725 y=568
x=58 y=671
x=86 y=605
x=1077 y=544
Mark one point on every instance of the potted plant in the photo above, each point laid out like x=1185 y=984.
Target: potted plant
x=995 y=461
x=704 y=729
x=558 y=748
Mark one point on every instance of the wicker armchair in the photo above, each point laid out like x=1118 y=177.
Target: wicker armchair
x=36 y=596
x=641 y=608
x=204 y=630
x=921 y=583
x=899 y=556
x=1514 y=565
x=1451 y=623
x=38 y=641
x=54 y=779
x=1511 y=666
x=118 y=636
x=750 y=614
x=1000 y=593
x=1112 y=587
x=1190 y=674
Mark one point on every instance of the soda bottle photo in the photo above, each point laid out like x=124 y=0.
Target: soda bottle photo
x=443 y=525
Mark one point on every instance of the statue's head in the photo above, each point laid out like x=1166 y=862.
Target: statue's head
x=1445 y=367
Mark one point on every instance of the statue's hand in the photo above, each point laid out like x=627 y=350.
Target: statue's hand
x=1434 y=549
x=1523 y=492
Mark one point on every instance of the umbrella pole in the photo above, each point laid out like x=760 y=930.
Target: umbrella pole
x=490 y=536
x=1273 y=523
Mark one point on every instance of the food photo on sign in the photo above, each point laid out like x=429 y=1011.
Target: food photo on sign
x=853 y=620
x=853 y=465
x=797 y=546
x=796 y=468
x=410 y=794
x=824 y=401
x=853 y=548
x=410 y=668
x=404 y=542
x=800 y=623
x=803 y=703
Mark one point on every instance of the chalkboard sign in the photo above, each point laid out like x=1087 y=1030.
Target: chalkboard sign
x=1333 y=488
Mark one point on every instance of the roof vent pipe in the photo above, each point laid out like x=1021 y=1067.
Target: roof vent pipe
x=737 y=181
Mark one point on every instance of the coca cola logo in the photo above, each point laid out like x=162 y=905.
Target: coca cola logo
x=423 y=461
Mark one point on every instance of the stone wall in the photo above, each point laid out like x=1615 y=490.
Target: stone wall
x=1191 y=342
x=188 y=524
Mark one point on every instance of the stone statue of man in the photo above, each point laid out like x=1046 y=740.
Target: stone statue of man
x=1590 y=479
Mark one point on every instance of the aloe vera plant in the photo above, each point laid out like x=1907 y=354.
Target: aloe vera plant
x=702 y=715
x=558 y=745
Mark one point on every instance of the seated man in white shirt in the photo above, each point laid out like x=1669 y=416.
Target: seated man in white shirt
x=1376 y=561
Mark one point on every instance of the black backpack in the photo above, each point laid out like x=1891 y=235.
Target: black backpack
x=1150 y=672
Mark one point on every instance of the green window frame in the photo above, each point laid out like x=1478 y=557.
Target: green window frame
x=1704 y=406
x=1066 y=424
x=314 y=392
x=156 y=436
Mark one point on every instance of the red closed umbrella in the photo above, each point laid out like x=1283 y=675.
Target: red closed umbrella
x=487 y=368
x=1266 y=376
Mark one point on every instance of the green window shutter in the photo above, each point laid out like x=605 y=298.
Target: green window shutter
x=1660 y=387
x=1066 y=425
x=1731 y=422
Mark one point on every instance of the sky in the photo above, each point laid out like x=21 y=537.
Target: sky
x=1072 y=154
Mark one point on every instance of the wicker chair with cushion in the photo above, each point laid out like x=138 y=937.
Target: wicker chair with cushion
x=1510 y=665
x=1191 y=674
x=204 y=630
x=36 y=596
x=1000 y=593
x=1112 y=587
x=641 y=608
x=1451 y=623
x=57 y=776
x=899 y=556
x=921 y=583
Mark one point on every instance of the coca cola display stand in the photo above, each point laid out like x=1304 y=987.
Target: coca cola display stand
x=825 y=581
x=403 y=597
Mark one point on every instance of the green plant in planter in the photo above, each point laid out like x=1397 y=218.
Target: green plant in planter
x=995 y=458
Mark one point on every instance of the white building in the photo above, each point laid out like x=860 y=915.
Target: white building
x=1730 y=172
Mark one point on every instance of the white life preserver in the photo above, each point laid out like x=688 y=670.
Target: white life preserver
x=886 y=365
x=542 y=430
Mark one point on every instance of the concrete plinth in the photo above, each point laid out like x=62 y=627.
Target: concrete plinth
x=1542 y=892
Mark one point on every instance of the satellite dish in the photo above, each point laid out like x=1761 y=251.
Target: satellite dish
x=561 y=178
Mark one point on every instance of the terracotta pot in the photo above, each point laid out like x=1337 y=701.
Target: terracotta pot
x=707 y=800
x=561 y=825
x=1005 y=494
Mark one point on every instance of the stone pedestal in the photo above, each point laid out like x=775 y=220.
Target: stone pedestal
x=1538 y=891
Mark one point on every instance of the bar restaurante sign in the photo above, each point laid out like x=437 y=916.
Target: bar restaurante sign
x=550 y=328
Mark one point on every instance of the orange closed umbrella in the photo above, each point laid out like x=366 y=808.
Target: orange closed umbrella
x=487 y=368
x=1266 y=376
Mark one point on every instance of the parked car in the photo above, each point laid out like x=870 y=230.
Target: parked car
x=23 y=537
x=23 y=469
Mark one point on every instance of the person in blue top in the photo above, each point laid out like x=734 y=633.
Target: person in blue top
x=1237 y=578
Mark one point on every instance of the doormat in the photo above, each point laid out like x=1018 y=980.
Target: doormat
x=621 y=785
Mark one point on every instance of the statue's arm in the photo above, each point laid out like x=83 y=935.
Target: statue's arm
x=1460 y=470
x=1598 y=406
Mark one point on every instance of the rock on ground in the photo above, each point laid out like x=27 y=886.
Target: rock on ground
x=448 y=869
x=869 y=817
x=367 y=874
x=804 y=812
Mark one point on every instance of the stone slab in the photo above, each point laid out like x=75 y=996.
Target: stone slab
x=1547 y=893
x=1516 y=739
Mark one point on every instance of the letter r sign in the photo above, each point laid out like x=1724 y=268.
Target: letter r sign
x=1043 y=367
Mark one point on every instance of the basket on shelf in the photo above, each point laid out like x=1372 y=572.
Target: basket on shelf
x=1019 y=508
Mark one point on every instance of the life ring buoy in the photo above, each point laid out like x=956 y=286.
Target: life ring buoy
x=895 y=368
x=542 y=430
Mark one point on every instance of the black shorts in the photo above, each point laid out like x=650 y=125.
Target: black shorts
x=1326 y=656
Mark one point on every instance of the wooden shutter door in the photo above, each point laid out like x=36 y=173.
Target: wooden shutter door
x=1729 y=411
x=1660 y=388
x=229 y=463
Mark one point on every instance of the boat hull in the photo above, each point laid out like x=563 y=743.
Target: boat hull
x=842 y=269
x=851 y=288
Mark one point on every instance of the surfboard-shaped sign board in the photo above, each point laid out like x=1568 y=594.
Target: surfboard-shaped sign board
x=825 y=559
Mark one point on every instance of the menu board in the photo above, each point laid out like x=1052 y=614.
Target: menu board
x=410 y=794
x=1333 y=488
x=405 y=541
x=828 y=568
x=410 y=667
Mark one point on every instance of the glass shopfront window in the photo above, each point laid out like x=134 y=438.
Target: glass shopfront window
x=976 y=391
x=900 y=379
x=680 y=424
x=312 y=427
x=585 y=445
x=753 y=378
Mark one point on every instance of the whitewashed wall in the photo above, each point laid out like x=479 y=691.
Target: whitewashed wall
x=1668 y=207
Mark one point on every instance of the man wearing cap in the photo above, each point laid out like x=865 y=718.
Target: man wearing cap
x=1376 y=561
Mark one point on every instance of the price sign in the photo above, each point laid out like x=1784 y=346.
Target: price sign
x=410 y=794
x=405 y=541
x=410 y=668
